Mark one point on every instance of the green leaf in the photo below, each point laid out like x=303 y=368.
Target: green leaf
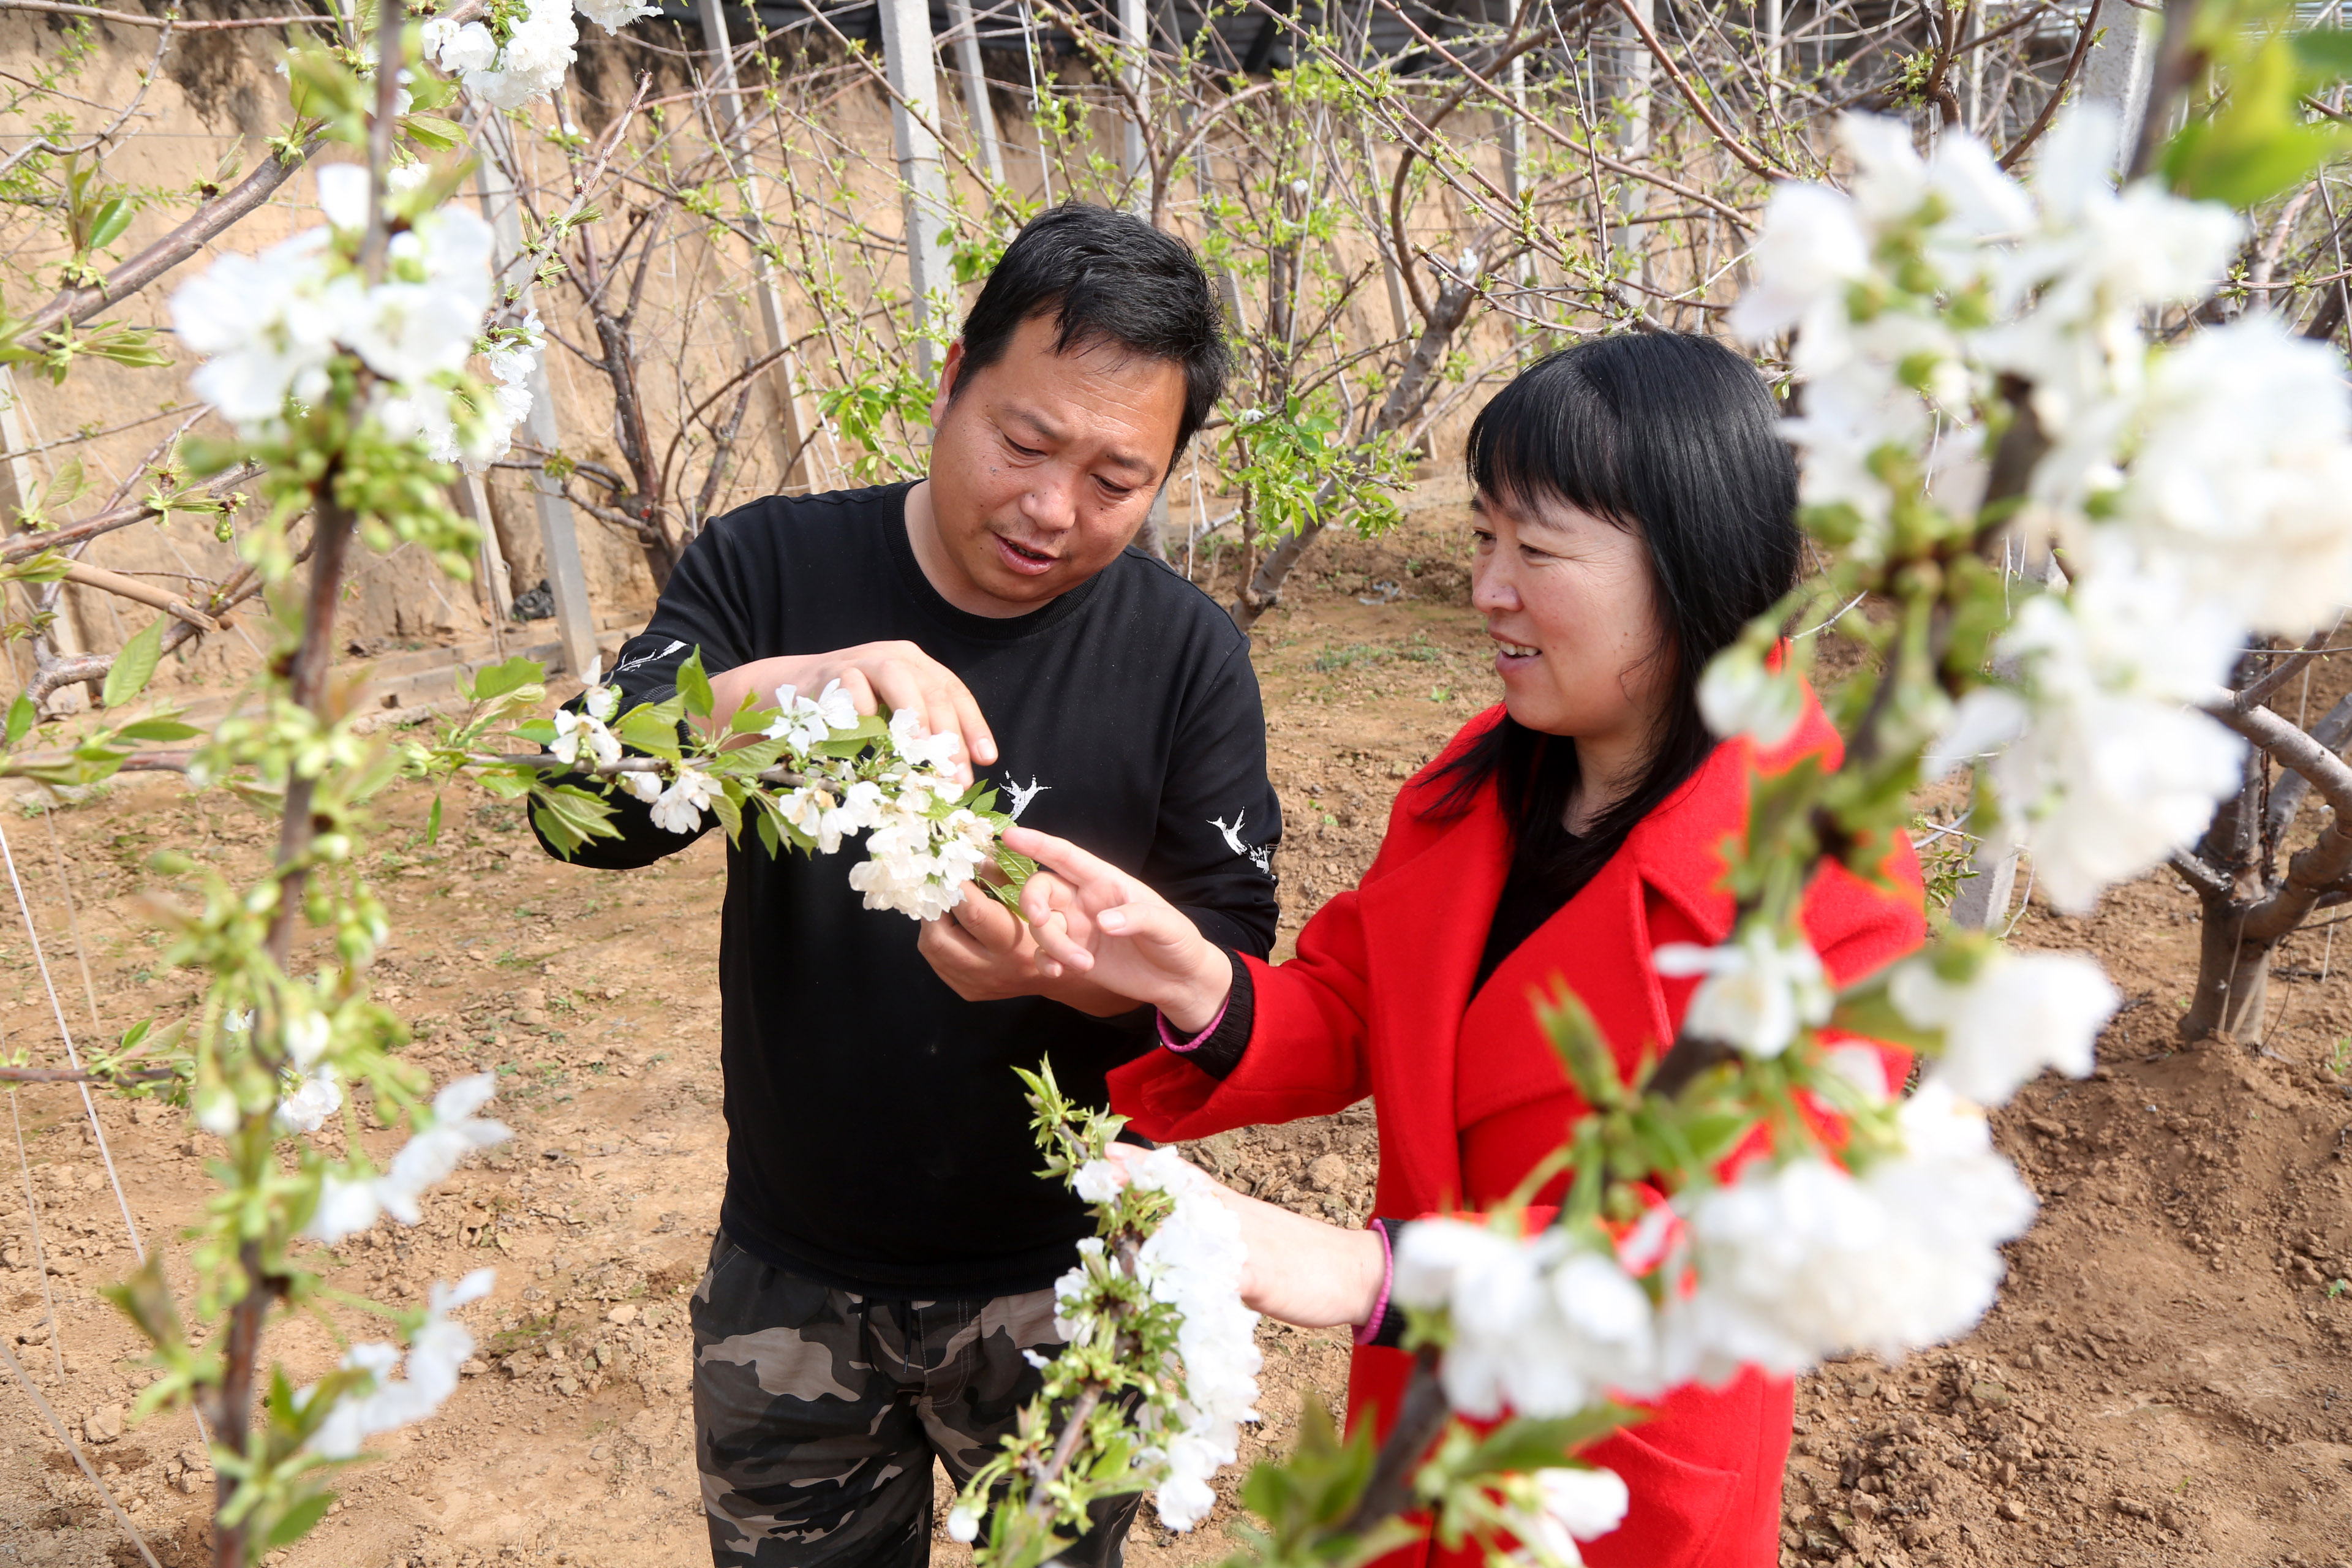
x=433 y=131
x=135 y=665
x=771 y=837
x=645 y=730
x=112 y=218
x=571 y=816
x=2255 y=144
x=21 y=715
x=433 y=823
x=728 y=809
x=494 y=680
x=1524 y=1443
x=2325 y=55
x=297 y=1521
x=68 y=485
x=695 y=687
x=158 y=729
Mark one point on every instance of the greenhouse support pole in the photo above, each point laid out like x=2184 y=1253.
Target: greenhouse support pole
x=788 y=432
x=914 y=111
x=2122 y=67
x=575 y=617
x=982 y=113
x=1135 y=71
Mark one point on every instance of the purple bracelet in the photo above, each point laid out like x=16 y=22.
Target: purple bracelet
x=1168 y=1035
x=1370 y=1327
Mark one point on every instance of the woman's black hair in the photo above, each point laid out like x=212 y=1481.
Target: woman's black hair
x=1671 y=438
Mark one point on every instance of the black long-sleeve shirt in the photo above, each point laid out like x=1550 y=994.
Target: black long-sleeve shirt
x=878 y=1139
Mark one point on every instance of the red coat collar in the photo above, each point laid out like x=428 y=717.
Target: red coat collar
x=1425 y=916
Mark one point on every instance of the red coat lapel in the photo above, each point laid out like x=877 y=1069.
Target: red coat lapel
x=1425 y=925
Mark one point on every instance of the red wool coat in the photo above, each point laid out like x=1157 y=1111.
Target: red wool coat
x=1468 y=1095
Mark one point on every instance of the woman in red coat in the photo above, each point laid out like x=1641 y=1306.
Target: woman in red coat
x=1635 y=510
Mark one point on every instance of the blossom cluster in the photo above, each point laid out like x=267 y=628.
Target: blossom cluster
x=921 y=845
x=1791 y=1261
x=2200 y=492
x=521 y=52
x=1191 y=1262
x=437 y=1352
x=272 y=326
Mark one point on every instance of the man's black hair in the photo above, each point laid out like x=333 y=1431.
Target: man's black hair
x=1674 y=439
x=1112 y=279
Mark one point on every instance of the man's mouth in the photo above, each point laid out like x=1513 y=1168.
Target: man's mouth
x=1022 y=558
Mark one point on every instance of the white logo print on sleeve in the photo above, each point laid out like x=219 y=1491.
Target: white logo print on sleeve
x=1259 y=854
x=644 y=658
x=1023 y=795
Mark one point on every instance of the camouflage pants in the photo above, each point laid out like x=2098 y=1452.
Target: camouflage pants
x=817 y=1412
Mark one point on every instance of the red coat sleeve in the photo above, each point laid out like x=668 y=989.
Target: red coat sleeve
x=1305 y=1055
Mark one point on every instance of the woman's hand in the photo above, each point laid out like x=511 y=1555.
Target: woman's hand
x=1090 y=917
x=1299 y=1270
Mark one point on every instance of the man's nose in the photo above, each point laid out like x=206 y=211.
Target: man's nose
x=1051 y=501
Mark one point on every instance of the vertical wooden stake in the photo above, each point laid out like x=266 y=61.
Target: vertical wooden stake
x=907 y=63
x=575 y=617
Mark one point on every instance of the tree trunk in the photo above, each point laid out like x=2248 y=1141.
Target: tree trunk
x=1262 y=589
x=2233 y=972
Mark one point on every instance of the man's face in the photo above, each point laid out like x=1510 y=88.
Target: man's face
x=1043 y=467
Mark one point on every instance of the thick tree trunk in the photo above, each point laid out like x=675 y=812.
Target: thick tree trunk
x=1262 y=589
x=2233 y=972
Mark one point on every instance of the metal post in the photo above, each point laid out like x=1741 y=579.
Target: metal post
x=1634 y=85
x=975 y=88
x=1515 y=152
x=1135 y=70
x=914 y=111
x=575 y=617
x=2122 y=67
x=1772 y=29
x=16 y=482
x=1982 y=901
x=788 y=432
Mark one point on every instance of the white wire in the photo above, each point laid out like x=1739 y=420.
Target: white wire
x=40 y=1253
x=89 y=1106
x=58 y=1429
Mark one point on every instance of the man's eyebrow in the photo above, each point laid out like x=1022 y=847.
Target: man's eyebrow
x=1048 y=431
x=1045 y=427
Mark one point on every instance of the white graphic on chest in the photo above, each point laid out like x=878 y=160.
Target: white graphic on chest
x=1023 y=794
x=1258 y=855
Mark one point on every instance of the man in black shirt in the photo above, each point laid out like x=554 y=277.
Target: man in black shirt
x=885 y=1252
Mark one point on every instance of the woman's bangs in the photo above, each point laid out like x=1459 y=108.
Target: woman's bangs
x=1547 y=437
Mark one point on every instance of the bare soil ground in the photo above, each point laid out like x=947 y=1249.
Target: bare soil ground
x=2168 y=1378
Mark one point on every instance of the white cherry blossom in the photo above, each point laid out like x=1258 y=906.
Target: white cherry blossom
x=1761 y=987
x=2020 y=1013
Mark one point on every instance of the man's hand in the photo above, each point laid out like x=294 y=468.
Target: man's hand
x=877 y=674
x=985 y=954
x=1088 y=918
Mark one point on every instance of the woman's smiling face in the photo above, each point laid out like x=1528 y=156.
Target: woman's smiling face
x=1572 y=602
